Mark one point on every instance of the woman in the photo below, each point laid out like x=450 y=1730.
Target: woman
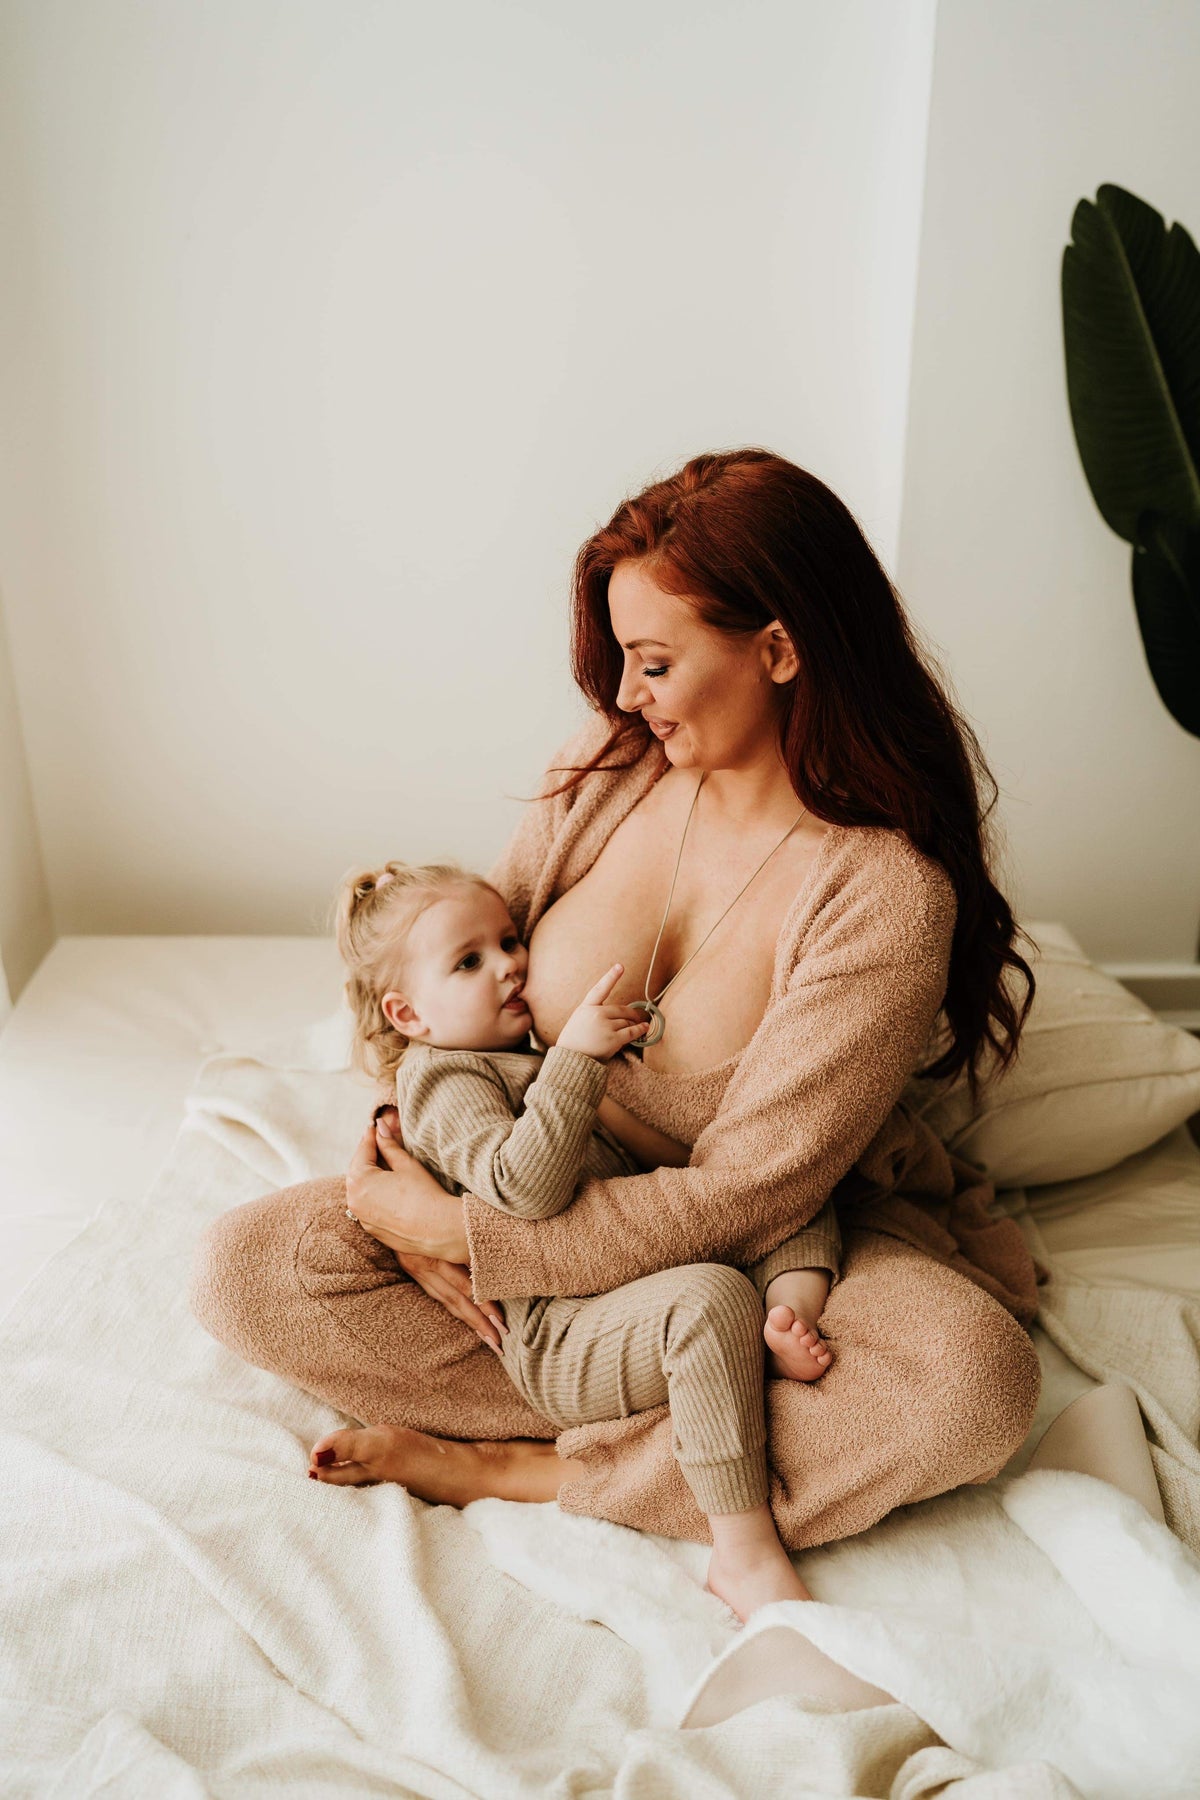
x=765 y=739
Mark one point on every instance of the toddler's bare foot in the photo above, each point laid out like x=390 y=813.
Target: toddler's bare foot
x=753 y=1578
x=798 y=1351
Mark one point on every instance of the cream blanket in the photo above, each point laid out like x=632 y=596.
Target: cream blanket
x=183 y=1614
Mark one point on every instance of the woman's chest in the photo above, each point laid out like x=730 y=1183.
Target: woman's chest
x=720 y=984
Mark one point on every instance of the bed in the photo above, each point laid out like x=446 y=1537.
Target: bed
x=182 y=1614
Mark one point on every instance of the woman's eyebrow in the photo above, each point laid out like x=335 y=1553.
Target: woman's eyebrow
x=654 y=643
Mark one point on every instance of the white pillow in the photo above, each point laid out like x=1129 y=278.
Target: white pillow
x=1097 y=1078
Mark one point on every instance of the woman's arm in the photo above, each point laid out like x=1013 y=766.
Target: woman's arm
x=811 y=1091
x=651 y=1148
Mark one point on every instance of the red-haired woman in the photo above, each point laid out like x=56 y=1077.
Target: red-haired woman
x=757 y=699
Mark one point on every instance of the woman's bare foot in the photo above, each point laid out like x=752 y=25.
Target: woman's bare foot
x=798 y=1351
x=441 y=1470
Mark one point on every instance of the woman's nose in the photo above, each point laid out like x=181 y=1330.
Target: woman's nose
x=633 y=693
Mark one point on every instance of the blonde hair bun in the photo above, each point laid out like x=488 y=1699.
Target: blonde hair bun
x=374 y=911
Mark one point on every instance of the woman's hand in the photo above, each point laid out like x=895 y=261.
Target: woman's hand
x=450 y=1283
x=401 y=1205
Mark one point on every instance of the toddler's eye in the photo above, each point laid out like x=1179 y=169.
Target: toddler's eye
x=652 y=672
x=509 y=943
x=470 y=960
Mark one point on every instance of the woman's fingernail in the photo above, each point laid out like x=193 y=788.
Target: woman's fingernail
x=323 y=1458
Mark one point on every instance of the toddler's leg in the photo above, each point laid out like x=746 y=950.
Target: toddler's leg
x=691 y=1337
x=794 y=1282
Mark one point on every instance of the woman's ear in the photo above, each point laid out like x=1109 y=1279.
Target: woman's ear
x=782 y=662
x=400 y=1015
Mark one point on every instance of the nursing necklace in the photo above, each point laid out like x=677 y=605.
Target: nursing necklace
x=650 y=1007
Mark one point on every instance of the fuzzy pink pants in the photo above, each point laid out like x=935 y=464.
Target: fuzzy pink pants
x=933 y=1384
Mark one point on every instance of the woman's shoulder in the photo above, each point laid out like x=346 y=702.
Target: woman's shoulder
x=876 y=891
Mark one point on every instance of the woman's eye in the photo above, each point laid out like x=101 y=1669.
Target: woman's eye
x=661 y=671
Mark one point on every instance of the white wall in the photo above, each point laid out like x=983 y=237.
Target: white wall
x=26 y=925
x=332 y=328
x=1003 y=552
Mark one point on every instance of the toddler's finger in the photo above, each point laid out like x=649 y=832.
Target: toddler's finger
x=596 y=995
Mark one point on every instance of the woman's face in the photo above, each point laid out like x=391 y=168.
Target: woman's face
x=713 y=700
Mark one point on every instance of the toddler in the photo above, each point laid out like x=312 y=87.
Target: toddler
x=436 y=973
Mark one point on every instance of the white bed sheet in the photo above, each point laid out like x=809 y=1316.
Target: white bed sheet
x=102 y=1048
x=184 y=1614
x=105 y=1043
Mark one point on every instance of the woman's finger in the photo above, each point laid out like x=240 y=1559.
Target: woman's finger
x=390 y=1148
x=464 y=1308
x=364 y=1157
x=459 y=1276
x=389 y=1118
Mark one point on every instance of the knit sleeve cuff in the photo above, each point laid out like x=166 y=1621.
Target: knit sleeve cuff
x=490 y=1235
x=575 y=1075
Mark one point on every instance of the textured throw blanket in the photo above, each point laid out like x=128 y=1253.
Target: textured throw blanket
x=183 y=1614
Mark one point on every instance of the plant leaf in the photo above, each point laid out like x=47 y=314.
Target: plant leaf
x=1131 y=330
x=1166 y=593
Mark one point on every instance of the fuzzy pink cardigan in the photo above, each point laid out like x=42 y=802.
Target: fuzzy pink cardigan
x=812 y=1107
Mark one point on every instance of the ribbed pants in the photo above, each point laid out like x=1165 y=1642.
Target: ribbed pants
x=691 y=1338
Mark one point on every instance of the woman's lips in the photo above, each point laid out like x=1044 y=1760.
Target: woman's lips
x=662 y=728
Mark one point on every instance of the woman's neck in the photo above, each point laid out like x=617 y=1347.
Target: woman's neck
x=755 y=794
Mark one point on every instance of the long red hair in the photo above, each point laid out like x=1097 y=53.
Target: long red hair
x=868 y=732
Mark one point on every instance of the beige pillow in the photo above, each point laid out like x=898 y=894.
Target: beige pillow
x=1097 y=1078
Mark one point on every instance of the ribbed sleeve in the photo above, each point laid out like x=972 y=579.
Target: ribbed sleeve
x=818 y=1246
x=456 y=1116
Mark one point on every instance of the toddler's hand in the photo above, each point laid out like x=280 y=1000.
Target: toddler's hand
x=600 y=1029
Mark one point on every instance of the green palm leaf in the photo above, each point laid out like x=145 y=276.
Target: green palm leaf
x=1131 y=332
x=1131 y=322
x=1166 y=594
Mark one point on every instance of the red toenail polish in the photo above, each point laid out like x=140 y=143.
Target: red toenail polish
x=323 y=1458
x=313 y=1476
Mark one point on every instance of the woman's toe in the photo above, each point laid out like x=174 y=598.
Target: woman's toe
x=334 y=1448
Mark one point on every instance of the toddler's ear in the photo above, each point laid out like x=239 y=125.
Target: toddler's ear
x=399 y=1014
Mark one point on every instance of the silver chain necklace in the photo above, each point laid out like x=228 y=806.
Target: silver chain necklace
x=658 y=1023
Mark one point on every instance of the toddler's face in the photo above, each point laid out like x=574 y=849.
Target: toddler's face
x=462 y=968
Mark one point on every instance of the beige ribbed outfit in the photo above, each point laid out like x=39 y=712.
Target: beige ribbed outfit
x=517 y=1129
x=935 y=1378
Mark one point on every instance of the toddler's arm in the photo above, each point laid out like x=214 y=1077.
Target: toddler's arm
x=456 y=1117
